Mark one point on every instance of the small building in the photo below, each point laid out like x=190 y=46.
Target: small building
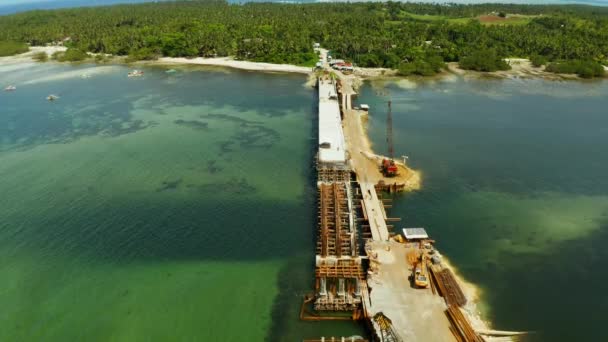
x=364 y=107
x=316 y=45
x=415 y=234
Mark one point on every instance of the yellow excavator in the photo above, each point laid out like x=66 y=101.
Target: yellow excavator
x=421 y=274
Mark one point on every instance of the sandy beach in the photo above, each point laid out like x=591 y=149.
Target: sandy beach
x=27 y=57
x=520 y=67
x=221 y=62
x=232 y=63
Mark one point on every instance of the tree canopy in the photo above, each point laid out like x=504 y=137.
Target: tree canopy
x=411 y=37
x=9 y=48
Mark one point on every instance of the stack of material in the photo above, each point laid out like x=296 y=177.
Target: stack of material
x=461 y=327
x=448 y=287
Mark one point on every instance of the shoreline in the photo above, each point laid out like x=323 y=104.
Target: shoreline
x=520 y=68
x=231 y=63
x=474 y=295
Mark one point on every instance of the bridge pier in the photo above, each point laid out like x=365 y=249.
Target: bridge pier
x=323 y=290
x=341 y=291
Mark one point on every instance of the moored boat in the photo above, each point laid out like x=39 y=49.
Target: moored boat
x=135 y=73
x=52 y=97
x=10 y=88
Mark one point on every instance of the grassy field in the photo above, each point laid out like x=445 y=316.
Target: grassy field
x=511 y=19
x=490 y=19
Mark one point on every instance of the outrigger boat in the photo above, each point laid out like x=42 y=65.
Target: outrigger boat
x=136 y=73
x=10 y=88
x=52 y=97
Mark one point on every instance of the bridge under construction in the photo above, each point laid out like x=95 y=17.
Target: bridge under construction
x=364 y=269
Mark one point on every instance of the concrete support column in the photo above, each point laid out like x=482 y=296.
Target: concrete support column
x=323 y=289
x=358 y=287
x=341 y=291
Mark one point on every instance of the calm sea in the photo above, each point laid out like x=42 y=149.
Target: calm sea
x=181 y=205
x=173 y=207
x=514 y=190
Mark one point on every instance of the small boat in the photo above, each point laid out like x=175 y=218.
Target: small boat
x=171 y=71
x=10 y=88
x=52 y=97
x=136 y=73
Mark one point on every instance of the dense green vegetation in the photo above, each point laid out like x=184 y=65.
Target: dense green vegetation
x=70 y=55
x=585 y=69
x=538 y=60
x=484 y=60
x=413 y=38
x=428 y=66
x=9 y=48
x=40 y=56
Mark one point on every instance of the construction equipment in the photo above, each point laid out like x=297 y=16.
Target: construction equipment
x=421 y=277
x=389 y=168
x=387 y=332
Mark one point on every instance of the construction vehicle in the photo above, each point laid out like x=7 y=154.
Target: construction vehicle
x=421 y=277
x=389 y=168
x=387 y=332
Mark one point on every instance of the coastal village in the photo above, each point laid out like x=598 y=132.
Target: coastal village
x=399 y=285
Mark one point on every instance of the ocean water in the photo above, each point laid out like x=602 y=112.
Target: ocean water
x=181 y=206
x=514 y=191
x=172 y=207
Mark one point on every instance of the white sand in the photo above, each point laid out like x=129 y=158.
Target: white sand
x=231 y=63
x=27 y=57
x=223 y=61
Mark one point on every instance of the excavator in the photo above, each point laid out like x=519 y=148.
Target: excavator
x=421 y=273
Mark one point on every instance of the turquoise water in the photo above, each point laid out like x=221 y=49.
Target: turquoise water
x=169 y=207
x=514 y=190
x=181 y=206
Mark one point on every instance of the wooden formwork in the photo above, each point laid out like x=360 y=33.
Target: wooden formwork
x=333 y=175
x=342 y=269
x=334 y=227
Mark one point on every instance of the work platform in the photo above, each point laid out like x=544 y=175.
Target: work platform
x=416 y=314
